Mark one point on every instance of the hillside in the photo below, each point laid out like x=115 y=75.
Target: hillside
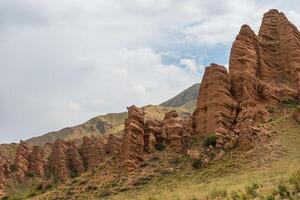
x=113 y=122
x=241 y=141
x=186 y=96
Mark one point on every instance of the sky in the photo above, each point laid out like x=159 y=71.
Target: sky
x=64 y=62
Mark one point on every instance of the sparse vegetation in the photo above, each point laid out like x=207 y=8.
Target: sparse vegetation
x=159 y=146
x=210 y=140
x=197 y=164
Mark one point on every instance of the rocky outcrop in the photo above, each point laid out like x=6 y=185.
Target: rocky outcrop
x=59 y=161
x=92 y=151
x=174 y=131
x=22 y=162
x=216 y=107
x=76 y=164
x=5 y=173
x=188 y=130
x=37 y=161
x=152 y=131
x=133 y=139
x=113 y=145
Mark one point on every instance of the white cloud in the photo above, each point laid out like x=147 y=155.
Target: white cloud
x=63 y=62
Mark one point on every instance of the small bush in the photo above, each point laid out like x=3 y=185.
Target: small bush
x=217 y=194
x=197 y=164
x=270 y=197
x=13 y=168
x=288 y=102
x=5 y=198
x=153 y=158
x=174 y=161
x=283 y=191
x=210 y=140
x=251 y=190
x=30 y=174
x=91 y=187
x=295 y=180
x=159 y=147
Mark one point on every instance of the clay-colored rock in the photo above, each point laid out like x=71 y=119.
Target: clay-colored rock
x=133 y=139
x=75 y=160
x=5 y=173
x=59 y=161
x=22 y=163
x=174 y=130
x=37 y=161
x=215 y=105
x=152 y=130
x=92 y=151
x=113 y=145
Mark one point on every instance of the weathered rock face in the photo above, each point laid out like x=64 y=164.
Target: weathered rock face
x=215 y=105
x=152 y=131
x=133 y=139
x=76 y=164
x=22 y=162
x=113 y=145
x=188 y=130
x=59 y=161
x=263 y=71
x=37 y=161
x=4 y=175
x=174 y=131
x=92 y=151
x=280 y=50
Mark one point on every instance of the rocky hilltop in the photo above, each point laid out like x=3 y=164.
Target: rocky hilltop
x=264 y=75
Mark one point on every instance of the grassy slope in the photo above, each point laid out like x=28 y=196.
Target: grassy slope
x=267 y=169
x=268 y=164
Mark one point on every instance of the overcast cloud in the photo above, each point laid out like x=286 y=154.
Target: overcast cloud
x=63 y=62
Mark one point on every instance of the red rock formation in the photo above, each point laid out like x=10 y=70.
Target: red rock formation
x=22 y=163
x=264 y=70
x=188 y=130
x=133 y=139
x=174 y=130
x=215 y=106
x=4 y=175
x=92 y=151
x=37 y=161
x=59 y=161
x=76 y=164
x=152 y=130
x=113 y=145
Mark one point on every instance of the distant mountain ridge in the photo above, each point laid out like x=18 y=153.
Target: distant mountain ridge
x=113 y=122
x=188 y=95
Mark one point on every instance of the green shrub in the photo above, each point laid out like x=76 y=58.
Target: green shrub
x=5 y=198
x=295 y=180
x=30 y=174
x=283 y=191
x=13 y=168
x=197 y=164
x=270 y=197
x=159 y=146
x=91 y=187
x=288 y=102
x=251 y=190
x=210 y=140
